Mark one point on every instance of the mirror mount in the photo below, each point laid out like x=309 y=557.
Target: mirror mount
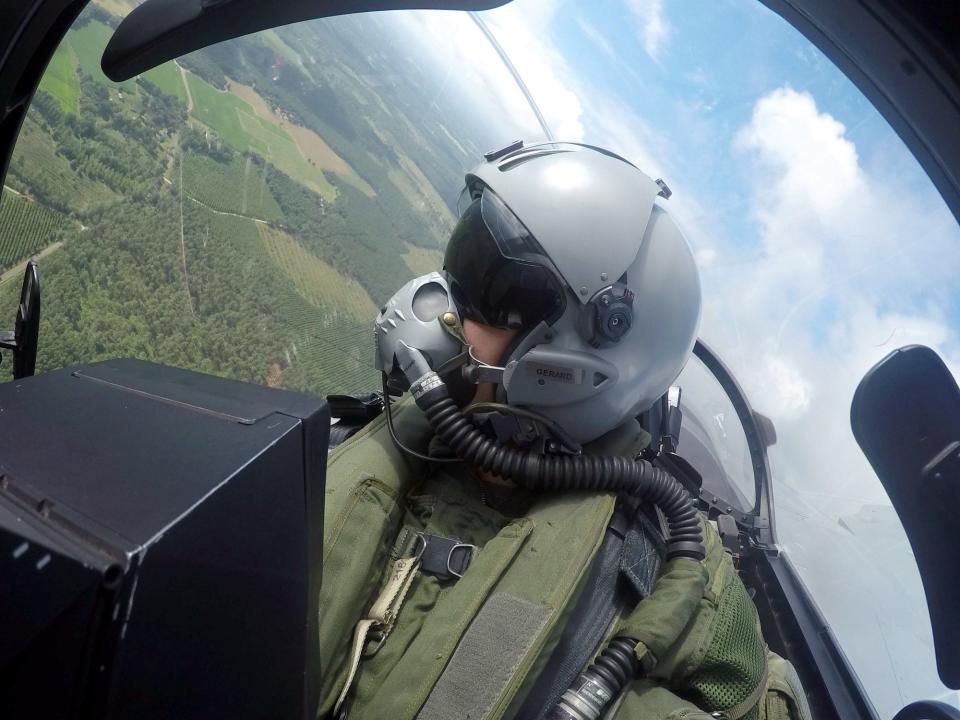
x=160 y=30
x=22 y=341
x=906 y=418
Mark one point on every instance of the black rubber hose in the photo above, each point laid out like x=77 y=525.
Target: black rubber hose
x=617 y=664
x=582 y=472
x=599 y=684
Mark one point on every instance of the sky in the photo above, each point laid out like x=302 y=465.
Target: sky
x=822 y=247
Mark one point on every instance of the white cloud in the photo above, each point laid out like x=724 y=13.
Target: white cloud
x=842 y=261
x=522 y=30
x=822 y=293
x=653 y=26
x=597 y=38
x=828 y=290
x=815 y=167
x=785 y=391
x=849 y=261
x=705 y=257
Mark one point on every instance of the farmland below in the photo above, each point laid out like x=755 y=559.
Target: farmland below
x=241 y=211
x=32 y=227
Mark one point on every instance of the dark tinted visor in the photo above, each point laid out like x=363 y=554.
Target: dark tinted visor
x=499 y=274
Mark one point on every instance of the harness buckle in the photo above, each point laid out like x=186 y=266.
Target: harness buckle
x=444 y=558
x=471 y=551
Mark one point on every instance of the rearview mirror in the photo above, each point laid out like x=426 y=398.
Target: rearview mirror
x=161 y=30
x=906 y=419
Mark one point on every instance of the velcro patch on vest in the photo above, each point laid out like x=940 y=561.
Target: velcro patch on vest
x=641 y=560
x=485 y=660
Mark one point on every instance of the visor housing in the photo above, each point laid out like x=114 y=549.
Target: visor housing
x=499 y=274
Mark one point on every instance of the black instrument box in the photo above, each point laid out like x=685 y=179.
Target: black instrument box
x=160 y=545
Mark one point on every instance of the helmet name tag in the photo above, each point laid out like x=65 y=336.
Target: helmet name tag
x=555 y=373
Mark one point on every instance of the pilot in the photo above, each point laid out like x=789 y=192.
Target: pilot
x=503 y=543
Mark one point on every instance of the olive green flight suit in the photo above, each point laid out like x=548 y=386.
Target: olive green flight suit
x=442 y=650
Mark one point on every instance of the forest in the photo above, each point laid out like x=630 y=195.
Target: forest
x=178 y=246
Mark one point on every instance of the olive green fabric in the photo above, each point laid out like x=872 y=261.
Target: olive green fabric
x=362 y=516
x=718 y=661
x=657 y=622
x=645 y=700
x=517 y=556
x=373 y=494
x=485 y=659
x=784 y=698
x=734 y=665
x=534 y=549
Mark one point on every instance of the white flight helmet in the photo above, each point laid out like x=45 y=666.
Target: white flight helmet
x=567 y=244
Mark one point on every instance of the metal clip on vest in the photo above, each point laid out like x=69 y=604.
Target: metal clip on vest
x=444 y=558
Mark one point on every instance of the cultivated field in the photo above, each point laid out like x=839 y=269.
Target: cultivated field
x=25 y=228
x=310 y=145
x=167 y=78
x=236 y=187
x=421 y=260
x=318 y=344
x=347 y=192
x=317 y=281
x=60 y=78
x=239 y=125
x=88 y=43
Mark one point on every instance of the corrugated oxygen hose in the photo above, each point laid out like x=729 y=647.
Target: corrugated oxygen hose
x=581 y=472
x=616 y=664
x=599 y=684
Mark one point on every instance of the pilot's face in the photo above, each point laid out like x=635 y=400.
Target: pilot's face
x=489 y=345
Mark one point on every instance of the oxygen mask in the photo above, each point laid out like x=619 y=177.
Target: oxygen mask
x=422 y=314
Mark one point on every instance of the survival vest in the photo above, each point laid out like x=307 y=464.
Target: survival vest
x=397 y=643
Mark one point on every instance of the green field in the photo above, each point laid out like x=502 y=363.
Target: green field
x=238 y=124
x=274 y=41
x=83 y=47
x=422 y=260
x=194 y=280
x=117 y=7
x=167 y=78
x=317 y=281
x=25 y=228
x=237 y=186
x=60 y=78
x=88 y=43
x=221 y=112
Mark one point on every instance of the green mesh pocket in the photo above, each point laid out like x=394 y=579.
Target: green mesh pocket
x=734 y=665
